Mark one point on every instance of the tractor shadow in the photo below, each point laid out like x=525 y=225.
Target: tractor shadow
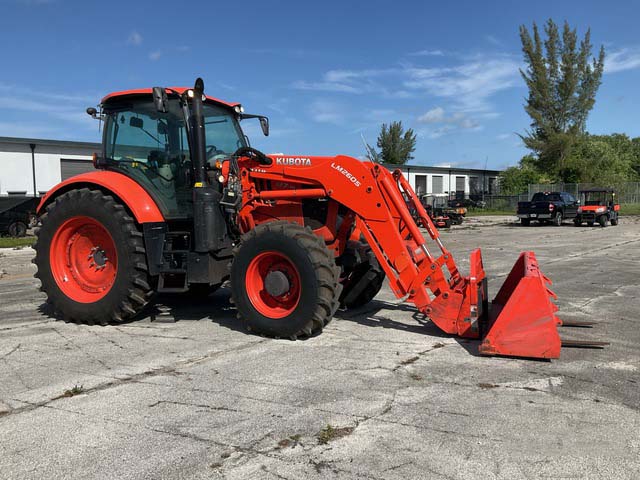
x=180 y=307
x=370 y=316
x=172 y=308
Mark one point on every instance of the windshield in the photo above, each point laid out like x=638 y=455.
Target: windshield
x=547 y=197
x=152 y=147
x=136 y=130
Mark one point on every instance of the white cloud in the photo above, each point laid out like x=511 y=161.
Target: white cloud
x=427 y=53
x=448 y=123
x=326 y=87
x=324 y=111
x=155 y=55
x=621 y=60
x=135 y=39
x=493 y=40
x=435 y=115
x=64 y=112
x=505 y=136
x=468 y=85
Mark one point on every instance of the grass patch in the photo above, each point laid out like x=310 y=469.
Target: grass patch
x=72 y=392
x=630 y=209
x=329 y=433
x=484 y=212
x=10 y=242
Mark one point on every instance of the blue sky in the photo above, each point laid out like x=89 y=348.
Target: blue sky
x=324 y=72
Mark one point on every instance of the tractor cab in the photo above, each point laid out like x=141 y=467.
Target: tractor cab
x=598 y=205
x=151 y=145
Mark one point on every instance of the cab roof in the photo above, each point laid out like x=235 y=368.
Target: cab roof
x=595 y=190
x=149 y=91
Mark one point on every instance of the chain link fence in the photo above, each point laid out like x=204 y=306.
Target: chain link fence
x=628 y=192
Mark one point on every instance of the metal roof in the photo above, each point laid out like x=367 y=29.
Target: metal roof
x=48 y=142
x=427 y=168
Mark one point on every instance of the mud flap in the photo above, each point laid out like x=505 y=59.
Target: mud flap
x=522 y=320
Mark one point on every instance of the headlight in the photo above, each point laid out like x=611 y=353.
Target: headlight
x=239 y=108
x=601 y=209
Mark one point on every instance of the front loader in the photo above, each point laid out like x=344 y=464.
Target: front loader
x=180 y=202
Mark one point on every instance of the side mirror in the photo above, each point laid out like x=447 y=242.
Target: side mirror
x=264 y=124
x=136 y=122
x=163 y=128
x=160 y=99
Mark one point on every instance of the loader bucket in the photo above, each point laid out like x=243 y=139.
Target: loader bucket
x=522 y=320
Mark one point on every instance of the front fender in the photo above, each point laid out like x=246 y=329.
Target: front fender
x=130 y=193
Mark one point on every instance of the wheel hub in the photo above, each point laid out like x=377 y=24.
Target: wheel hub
x=98 y=258
x=273 y=284
x=276 y=283
x=84 y=260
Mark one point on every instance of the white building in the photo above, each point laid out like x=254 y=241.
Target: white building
x=28 y=165
x=450 y=181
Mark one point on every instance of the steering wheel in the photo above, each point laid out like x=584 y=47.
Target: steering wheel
x=253 y=153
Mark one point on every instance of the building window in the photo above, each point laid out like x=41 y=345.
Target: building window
x=474 y=185
x=460 y=181
x=421 y=184
x=437 y=184
x=492 y=185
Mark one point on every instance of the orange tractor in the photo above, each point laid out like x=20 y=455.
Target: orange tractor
x=180 y=202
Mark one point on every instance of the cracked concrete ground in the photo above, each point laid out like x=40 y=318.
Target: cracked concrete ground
x=199 y=398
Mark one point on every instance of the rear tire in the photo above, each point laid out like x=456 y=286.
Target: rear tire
x=557 y=220
x=91 y=259
x=303 y=293
x=525 y=222
x=17 y=229
x=614 y=221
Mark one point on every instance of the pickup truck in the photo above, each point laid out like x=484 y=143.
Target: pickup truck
x=552 y=207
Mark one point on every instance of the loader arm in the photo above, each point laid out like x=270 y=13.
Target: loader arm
x=378 y=206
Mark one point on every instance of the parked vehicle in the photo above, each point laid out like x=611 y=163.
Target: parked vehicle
x=599 y=205
x=439 y=219
x=443 y=208
x=551 y=207
x=16 y=213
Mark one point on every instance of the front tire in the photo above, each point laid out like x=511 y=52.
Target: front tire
x=525 y=222
x=614 y=221
x=603 y=220
x=284 y=281
x=91 y=259
x=577 y=222
x=359 y=263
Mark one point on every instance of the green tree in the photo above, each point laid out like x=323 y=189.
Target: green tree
x=516 y=180
x=563 y=79
x=603 y=160
x=396 y=145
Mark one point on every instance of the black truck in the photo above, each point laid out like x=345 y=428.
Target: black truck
x=548 y=207
x=16 y=212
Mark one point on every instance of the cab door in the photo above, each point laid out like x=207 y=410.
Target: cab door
x=571 y=205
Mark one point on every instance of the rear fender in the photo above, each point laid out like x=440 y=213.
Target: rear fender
x=127 y=191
